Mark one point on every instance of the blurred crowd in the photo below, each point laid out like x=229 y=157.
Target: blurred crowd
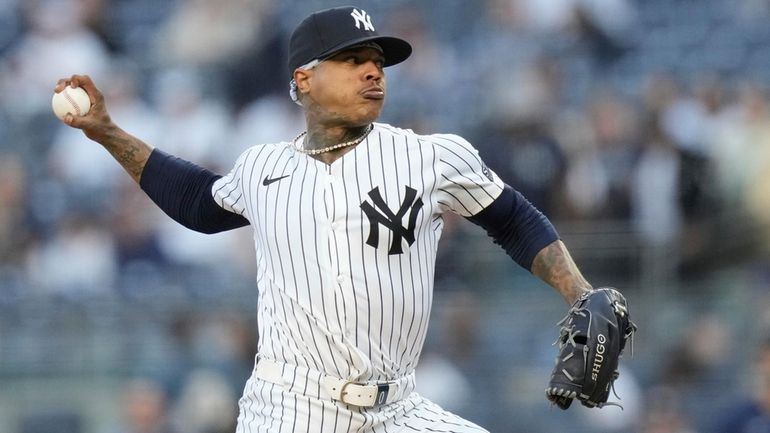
x=653 y=115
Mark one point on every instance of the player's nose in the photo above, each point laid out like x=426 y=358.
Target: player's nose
x=372 y=71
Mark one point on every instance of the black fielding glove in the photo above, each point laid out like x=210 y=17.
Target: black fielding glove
x=591 y=340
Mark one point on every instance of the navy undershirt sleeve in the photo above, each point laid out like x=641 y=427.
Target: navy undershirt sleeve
x=183 y=191
x=517 y=226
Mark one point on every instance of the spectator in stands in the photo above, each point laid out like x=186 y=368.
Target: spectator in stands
x=753 y=414
x=144 y=409
x=665 y=413
x=38 y=56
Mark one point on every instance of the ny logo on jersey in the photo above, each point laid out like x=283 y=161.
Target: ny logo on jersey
x=380 y=213
x=362 y=17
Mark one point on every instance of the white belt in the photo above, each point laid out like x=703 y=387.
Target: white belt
x=352 y=393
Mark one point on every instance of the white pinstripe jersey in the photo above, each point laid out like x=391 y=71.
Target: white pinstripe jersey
x=346 y=252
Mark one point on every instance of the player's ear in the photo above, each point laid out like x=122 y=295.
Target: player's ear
x=303 y=78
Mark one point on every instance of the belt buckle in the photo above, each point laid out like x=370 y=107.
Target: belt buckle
x=382 y=394
x=361 y=395
x=357 y=394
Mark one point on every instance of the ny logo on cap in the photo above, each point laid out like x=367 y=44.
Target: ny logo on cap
x=362 y=17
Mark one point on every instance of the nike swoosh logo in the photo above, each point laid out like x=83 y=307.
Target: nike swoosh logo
x=267 y=181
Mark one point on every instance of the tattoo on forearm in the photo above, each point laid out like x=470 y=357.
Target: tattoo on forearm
x=127 y=159
x=554 y=265
x=130 y=152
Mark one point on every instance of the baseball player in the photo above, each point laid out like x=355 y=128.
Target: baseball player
x=346 y=219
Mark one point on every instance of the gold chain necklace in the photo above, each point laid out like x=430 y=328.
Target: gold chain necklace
x=330 y=148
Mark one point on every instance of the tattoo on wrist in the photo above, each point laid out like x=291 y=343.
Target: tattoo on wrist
x=555 y=266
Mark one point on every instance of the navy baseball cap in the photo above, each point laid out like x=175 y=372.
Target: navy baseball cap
x=329 y=31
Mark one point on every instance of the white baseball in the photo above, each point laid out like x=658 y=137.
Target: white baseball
x=73 y=100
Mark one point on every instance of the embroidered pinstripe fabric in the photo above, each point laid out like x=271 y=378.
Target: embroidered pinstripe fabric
x=345 y=258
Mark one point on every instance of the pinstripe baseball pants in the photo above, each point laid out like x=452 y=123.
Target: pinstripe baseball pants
x=273 y=408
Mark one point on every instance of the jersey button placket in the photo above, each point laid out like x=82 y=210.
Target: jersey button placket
x=346 y=302
x=334 y=200
x=339 y=244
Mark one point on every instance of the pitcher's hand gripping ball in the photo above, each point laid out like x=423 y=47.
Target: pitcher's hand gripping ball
x=591 y=340
x=72 y=100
